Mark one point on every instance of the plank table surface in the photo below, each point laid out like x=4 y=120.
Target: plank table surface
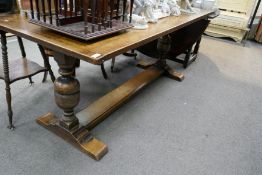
x=106 y=47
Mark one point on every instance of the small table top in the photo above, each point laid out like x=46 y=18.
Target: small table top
x=99 y=50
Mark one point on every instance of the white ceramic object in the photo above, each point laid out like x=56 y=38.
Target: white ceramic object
x=197 y=4
x=139 y=22
x=208 y=4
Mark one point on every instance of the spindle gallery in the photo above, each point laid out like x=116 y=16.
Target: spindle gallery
x=84 y=19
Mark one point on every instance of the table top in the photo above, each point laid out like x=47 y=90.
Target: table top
x=99 y=50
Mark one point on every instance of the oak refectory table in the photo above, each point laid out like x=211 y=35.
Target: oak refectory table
x=67 y=87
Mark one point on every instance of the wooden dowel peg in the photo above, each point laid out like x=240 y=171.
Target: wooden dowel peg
x=93 y=14
x=56 y=12
x=124 y=10
x=32 y=9
x=50 y=11
x=131 y=10
x=111 y=12
x=86 y=29
x=43 y=10
x=106 y=13
x=85 y=4
x=60 y=6
x=99 y=15
x=37 y=9
x=117 y=9
x=71 y=7
x=65 y=8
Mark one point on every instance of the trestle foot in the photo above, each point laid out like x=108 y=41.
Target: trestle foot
x=79 y=137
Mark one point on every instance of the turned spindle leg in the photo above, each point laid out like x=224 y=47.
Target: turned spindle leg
x=7 y=79
x=71 y=8
x=37 y=9
x=65 y=9
x=47 y=64
x=131 y=10
x=67 y=91
x=85 y=14
x=56 y=2
x=124 y=10
x=99 y=16
x=111 y=13
x=104 y=71
x=106 y=24
x=32 y=9
x=117 y=9
x=113 y=64
x=49 y=4
x=43 y=10
x=21 y=45
x=93 y=15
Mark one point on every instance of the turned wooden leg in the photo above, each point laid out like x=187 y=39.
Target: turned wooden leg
x=67 y=91
x=7 y=79
x=192 y=56
x=77 y=63
x=132 y=54
x=45 y=76
x=113 y=64
x=47 y=64
x=163 y=47
x=104 y=71
x=196 y=49
x=67 y=97
x=49 y=69
x=30 y=80
x=21 y=45
x=22 y=49
x=187 y=57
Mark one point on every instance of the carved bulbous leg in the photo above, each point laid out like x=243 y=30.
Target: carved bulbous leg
x=163 y=47
x=67 y=91
x=67 y=96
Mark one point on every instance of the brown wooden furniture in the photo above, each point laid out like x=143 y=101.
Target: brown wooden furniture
x=184 y=41
x=18 y=69
x=49 y=53
x=259 y=32
x=85 y=19
x=76 y=127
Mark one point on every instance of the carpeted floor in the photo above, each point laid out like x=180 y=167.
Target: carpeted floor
x=209 y=124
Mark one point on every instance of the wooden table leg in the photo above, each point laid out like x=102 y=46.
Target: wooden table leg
x=47 y=64
x=67 y=97
x=7 y=79
x=163 y=47
x=76 y=128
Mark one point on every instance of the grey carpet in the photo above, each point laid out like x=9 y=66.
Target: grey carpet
x=209 y=124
